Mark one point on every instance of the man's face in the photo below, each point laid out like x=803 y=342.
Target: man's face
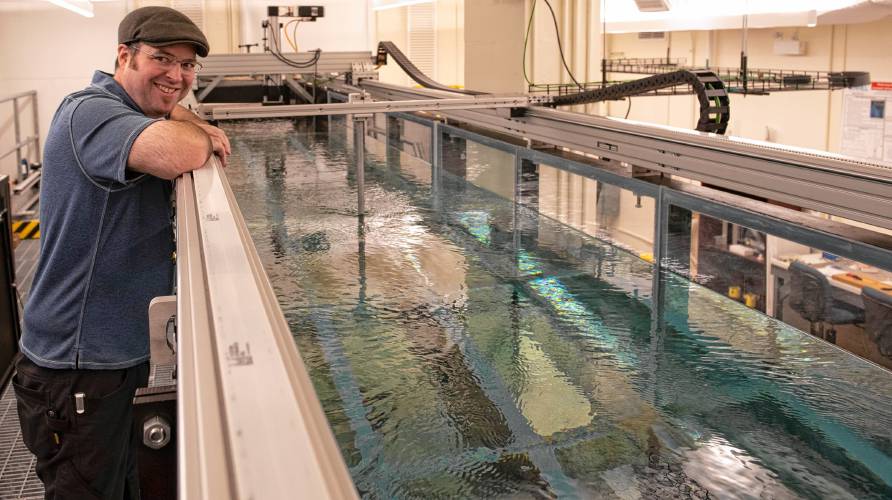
x=154 y=76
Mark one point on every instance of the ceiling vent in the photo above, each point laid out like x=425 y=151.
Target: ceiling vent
x=651 y=35
x=653 y=5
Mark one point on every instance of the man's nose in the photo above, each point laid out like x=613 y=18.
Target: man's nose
x=175 y=71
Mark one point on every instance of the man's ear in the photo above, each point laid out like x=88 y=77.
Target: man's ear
x=124 y=55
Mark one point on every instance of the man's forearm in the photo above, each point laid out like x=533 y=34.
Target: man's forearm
x=182 y=114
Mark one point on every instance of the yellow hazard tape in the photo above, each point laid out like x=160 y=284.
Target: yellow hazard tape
x=26 y=229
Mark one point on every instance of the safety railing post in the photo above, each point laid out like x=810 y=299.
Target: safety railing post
x=18 y=136
x=36 y=126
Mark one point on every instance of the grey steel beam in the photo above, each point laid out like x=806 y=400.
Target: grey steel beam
x=298 y=89
x=210 y=87
x=363 y=107
x=820 y=181
x=268 y=64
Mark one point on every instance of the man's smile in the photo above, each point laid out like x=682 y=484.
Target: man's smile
x=166 y=89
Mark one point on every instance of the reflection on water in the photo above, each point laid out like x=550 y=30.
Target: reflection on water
x=463 y=346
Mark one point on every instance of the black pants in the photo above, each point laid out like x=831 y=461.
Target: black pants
x=87 y=455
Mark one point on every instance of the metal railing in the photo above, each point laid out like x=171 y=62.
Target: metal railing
x=20 y=142
x=26 y=177
x=249 y=422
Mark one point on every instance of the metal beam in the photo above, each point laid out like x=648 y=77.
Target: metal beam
x=249 y=419
x=268 y=64
x=363 y=107
x=298 y=89
x=211 y=86
x=825 y=182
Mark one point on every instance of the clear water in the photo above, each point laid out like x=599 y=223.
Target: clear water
x=463 y=346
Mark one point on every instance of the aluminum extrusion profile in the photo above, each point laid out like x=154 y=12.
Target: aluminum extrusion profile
x=249 y=419
x=816 y=180
x=219 y=112
x=267 y=64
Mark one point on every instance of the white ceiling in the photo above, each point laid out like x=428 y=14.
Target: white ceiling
x=623 y=16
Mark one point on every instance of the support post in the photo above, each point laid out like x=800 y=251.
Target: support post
x=515 y=214
x=18 y=138
x=661 y=230
x=38 y=158
x=436 y=163
x=359 y=123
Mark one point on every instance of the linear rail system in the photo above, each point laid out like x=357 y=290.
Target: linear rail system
x=820 y=181
x=268 y=64
x=218 y=112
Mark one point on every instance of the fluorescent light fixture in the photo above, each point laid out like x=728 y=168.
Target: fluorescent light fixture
x=653 y=5
x=392 y=4
x=624 y=16
x=82 y=7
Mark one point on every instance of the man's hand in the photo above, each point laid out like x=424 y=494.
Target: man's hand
x=219 y=141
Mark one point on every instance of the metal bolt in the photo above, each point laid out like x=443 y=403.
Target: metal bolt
x=156 y=433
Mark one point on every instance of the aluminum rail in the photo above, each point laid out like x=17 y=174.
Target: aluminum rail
x=250 y=423
x=268 y=64
x=816 y=180
x=218 y=112
x=27 y=93
x=21 y=143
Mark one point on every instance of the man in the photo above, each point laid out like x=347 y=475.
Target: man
x=106 y=251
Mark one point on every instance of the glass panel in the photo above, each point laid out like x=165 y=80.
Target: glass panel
x=834 y=298
x=409 y=137
x=608 y=212
x=839 y=299
x=724 y=257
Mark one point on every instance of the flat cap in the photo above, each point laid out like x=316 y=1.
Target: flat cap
x=160 y=26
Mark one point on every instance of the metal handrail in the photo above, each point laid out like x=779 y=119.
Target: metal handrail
x=250 y=422
x=19 y=95
x=20 y=143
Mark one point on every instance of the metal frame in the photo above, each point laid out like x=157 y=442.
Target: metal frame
x=23 y=208
x=19 y=142
x=240 y=436
x=222 y=112
x=259 y=64
x=825 y=182
x=842 y=239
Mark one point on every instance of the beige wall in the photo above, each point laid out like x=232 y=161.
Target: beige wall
x=392 y=25
x=221 y=21
x=54 y=52
x=494 y=45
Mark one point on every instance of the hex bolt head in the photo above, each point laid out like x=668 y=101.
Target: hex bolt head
x=156 y=432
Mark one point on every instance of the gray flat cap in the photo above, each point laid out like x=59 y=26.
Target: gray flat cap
x=160 y=26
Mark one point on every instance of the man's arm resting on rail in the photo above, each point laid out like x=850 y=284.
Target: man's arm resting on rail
x=218 y=137
x=169 y=148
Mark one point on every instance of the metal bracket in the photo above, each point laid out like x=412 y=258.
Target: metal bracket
x=161 y=310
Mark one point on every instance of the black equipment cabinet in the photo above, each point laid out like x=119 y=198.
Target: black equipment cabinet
x=10 y=328
x=154 y=407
